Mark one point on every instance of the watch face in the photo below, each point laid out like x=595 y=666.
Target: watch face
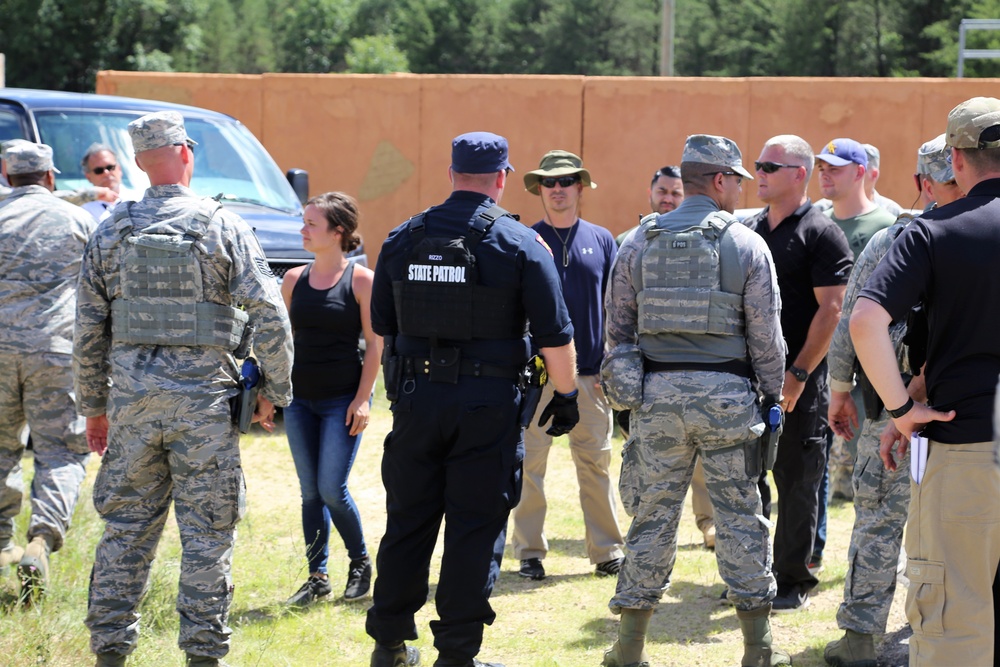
x=799 y=374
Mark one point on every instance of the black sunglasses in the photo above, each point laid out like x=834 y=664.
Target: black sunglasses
x=739 y=177
x=97 y=171
x=563 y=181
x=771 y=167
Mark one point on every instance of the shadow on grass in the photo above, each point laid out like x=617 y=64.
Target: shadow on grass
x=278 y=610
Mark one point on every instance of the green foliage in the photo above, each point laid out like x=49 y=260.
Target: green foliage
x=375 y=54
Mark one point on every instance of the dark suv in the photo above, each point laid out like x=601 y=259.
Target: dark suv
x=229 y=159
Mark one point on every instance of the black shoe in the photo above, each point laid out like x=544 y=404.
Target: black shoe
x=315 y=587
x=609 y=568
x=532 y=569
x=791 y=601
x=398 y=656
x=359 y=578
x=724 y=598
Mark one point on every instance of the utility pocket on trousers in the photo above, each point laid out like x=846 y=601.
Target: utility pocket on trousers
x=927 y=588
x=969 y=477
x=229 y=496
x=630 y=479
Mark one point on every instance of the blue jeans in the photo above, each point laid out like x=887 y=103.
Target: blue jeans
x=324 y=451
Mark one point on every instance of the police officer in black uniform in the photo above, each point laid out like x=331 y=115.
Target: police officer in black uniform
x=456 y=288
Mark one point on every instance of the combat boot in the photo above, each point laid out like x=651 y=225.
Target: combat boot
x=110 y=660
x=399 y=655
x=630 y=649
x=34 y=569
x=9 y=555
x=854 y=649
x=204 y=661
x=757 y=649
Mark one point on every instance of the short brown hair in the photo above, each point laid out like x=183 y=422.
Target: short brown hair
x=341 y=211
x=31 y=178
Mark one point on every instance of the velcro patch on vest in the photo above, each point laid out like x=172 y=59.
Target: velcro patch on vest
x=435 y=273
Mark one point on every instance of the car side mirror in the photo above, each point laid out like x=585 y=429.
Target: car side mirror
x=299 y=180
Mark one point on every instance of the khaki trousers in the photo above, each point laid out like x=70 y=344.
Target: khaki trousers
x=590 y=447
x=953 y=544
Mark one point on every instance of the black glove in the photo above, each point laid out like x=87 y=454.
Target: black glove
x=564 y=412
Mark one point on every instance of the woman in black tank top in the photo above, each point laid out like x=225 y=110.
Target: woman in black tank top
x=332 y=381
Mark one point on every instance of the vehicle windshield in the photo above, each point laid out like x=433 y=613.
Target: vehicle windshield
x=228 y=158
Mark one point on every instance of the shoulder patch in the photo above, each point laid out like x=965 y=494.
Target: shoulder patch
x=538 y=237
x=263 y=266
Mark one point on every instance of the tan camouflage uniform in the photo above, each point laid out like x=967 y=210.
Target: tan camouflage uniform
x=684 y=413
x=41 y=243
x=171 y=436
x=881 y=496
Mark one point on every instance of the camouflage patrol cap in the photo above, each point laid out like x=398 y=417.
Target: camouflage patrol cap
x=933 y=160
x=156 y=130
x=24 y=157
x=713 y=150
x=967 y=121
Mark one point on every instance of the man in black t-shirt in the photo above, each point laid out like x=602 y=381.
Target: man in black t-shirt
x=946 y=259
x=813 y=261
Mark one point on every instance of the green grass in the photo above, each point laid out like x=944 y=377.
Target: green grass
x=562 y=621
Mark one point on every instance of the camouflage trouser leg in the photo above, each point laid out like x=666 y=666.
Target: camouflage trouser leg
x=59 y=445
x=690 y=412
x=881 y=500
x=198 y=466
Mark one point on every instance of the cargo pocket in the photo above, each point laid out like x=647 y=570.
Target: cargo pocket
x=229 y=495
x=967 y=477
x=927 y=587
x=628 y=481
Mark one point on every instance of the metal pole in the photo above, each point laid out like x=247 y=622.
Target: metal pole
x=3 y=69
x=667 y=39
x=961 y=49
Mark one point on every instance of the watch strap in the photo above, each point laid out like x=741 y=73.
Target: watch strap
x=902 y=410
x=800 y=374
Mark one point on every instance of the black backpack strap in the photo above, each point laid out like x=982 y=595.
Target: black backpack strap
x=416 y=227
x=481 y=224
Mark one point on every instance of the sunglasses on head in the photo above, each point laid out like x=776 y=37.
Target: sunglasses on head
x=97 y=171
x=771 y=167
x=563 y=181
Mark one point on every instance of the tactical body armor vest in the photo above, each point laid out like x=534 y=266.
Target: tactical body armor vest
x=691 y=297
x=439 y=296
x=162 y=300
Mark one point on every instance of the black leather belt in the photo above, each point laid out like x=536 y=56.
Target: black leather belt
x=422 y=366
x=734 y=367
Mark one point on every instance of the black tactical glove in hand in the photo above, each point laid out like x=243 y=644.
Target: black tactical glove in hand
x=564 y=412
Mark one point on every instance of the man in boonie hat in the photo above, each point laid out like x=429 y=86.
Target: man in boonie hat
x=41 y=242
x=169 y=289
x=947 y=258
x=709 y=320
x=584 y=253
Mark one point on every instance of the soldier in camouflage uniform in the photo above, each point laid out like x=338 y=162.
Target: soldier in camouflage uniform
x=78 y=197
x=169 y=285
x=41 y=242
x=684 y=371
x=881 y=496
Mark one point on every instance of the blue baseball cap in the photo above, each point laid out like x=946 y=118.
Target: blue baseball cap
x=843 y=151
x=479 y=153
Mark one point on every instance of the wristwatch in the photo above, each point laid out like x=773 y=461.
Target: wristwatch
x=798 y=373
x=900 y=411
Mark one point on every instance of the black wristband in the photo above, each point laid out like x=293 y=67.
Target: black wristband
x=799 y=374
x=900 y=411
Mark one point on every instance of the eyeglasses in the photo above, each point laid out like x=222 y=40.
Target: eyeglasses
x=563 y=181
x=739 y=177
x=97 y=171
x=771 y=167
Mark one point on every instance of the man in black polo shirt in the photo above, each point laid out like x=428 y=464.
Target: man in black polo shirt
x=813 y=261
x=947 y=259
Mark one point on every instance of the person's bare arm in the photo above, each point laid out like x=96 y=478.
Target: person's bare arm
x=821 y=328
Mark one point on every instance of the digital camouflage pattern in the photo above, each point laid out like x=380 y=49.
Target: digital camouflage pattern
x=934 y=160
x=24 y=157
x=684 y=413
x=881 y=497
x=718 y=151
x=41 y=243
x=171 y=435
x=156 y=130
x=967 y=121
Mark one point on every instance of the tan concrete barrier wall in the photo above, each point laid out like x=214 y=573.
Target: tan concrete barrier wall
x=386 y=139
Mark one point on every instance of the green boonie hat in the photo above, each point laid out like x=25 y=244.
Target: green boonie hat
x=24 y=157
x=934 y=160
x=557 y=163
x=967 y=121
x=713 y=150
x=156 y=130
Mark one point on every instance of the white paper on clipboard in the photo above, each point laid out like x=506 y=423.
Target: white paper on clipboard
x=918 y=457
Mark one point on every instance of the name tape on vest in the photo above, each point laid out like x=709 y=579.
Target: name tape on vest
x=436 y=274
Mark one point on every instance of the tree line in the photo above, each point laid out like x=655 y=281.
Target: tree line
x=61 y=44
